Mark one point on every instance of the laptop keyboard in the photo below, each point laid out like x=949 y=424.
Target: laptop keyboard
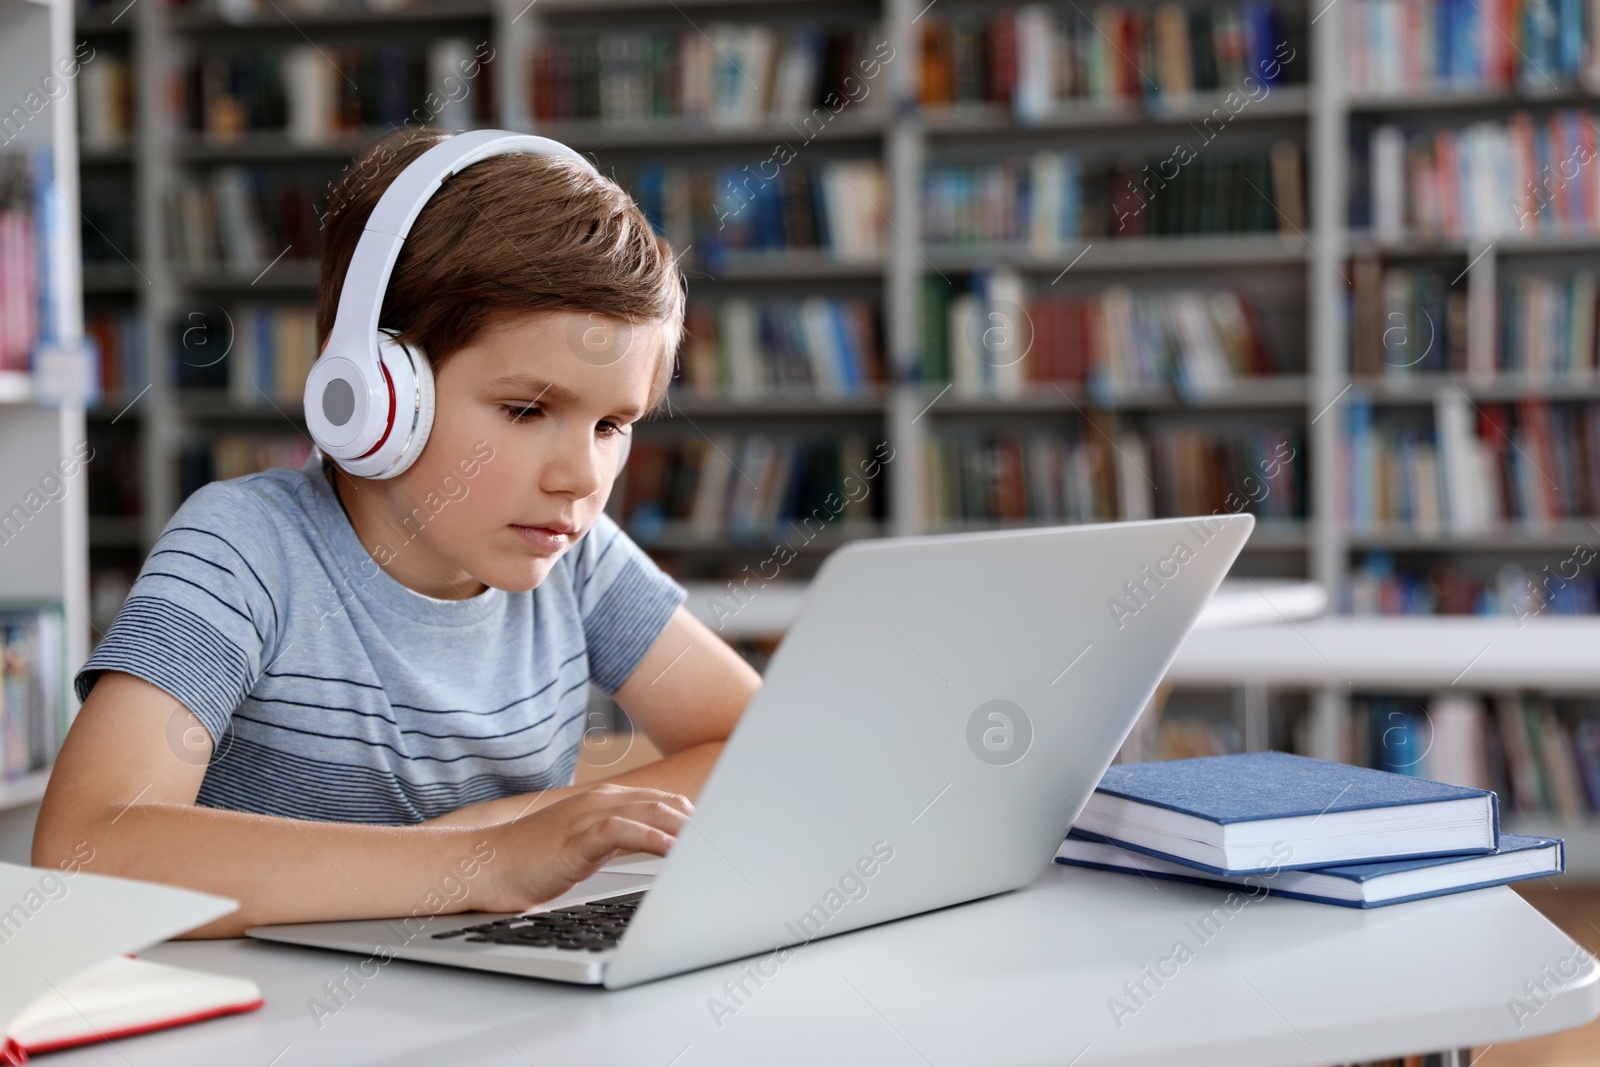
x=592 y=927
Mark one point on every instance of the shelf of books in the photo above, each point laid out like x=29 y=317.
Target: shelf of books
x=950 y=268
x=43 y=514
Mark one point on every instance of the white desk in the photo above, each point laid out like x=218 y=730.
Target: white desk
x=1469 y=653
x=1021 y=978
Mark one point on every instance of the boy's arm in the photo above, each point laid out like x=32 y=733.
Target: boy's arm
x=686 y=694
x=121 y=802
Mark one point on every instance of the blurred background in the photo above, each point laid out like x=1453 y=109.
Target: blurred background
x=1329 y=263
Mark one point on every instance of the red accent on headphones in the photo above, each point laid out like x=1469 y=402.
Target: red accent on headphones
x=388 y=428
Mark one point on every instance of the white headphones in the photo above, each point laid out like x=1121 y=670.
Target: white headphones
x=369 y=399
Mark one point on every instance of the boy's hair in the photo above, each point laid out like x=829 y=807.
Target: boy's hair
x=509 y=235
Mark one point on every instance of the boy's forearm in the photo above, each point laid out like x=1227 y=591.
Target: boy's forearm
x=682 y=772
x=286 y=870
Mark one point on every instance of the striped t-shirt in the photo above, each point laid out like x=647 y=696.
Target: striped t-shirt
x=333 y=692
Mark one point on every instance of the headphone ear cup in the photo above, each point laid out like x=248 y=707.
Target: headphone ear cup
x=407 y=412
x=422 y=370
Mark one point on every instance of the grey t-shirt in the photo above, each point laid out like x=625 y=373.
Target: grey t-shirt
x=333 y=692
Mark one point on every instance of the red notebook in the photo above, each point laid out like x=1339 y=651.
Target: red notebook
x=118 y=998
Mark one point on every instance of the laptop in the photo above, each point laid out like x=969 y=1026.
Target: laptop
x=927 y=730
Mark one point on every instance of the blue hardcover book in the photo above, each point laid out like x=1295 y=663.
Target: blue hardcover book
x=1353 y=885
x=1262 y=811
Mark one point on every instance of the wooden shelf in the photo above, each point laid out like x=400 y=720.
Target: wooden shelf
x=110 y=278
x=268 y=146
x=284 y=276
x=1277 y=391
x=1557 y=537
x=1129 y=253
x=1456 y=99
x=203 y=21
x=606 y=7
x=785 y=403
x=119 y=20
x=1414 y=247
x=116 y=156
x=1286 y=102
x=116 y=531
x=219 y=405
x=592 y=135
x=781 y=265
x=1425 y=388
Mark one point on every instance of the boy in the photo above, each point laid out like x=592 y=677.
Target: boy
x=328 y=696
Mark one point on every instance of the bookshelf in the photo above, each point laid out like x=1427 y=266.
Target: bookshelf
x=1296 y=267
x=43 y=528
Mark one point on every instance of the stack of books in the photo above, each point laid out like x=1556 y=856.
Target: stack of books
x=1271 y=822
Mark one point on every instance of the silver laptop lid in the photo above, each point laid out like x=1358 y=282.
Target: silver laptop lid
x=927 y=731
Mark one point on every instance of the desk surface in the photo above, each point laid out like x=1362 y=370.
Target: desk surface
x=1468 y=652
x=1029 y=977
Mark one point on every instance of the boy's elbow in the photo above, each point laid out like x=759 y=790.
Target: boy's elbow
x=73 y=829
x=62 y=845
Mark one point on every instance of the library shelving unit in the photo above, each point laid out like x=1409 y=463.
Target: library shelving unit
x=44 y=554
x=1132 y=441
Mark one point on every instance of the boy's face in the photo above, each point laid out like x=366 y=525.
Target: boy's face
x=525 y=436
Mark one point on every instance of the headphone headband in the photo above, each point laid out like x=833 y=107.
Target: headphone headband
x=366 y=280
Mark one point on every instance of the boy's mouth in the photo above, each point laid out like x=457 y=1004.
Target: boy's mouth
x=548 y=538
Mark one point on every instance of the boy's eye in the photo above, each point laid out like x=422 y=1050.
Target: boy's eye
x=521 y=412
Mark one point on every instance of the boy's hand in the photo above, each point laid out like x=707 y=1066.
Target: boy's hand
x=543 y=854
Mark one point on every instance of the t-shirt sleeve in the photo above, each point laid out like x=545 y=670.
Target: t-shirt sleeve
x=625 y=600
x=203 y=615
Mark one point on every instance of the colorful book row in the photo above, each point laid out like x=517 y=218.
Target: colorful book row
x=1536 y=759
x=1101 y=474
x=241 y=218
x=716 y=73
x=1481 y=467
x=744 y=348
x=33 y=705
x=1525 y=177
x=1120 y=342
x=1381 y=585
x=838 y=206
x=30 y=215
x=259 y=353
x=751 y=486
x=105 y=102
x=235 y=455
x=1033 y=59
x=1409 y=321
x=318 y=93
x=1406 y=47
x=118 y=336
x=1050 y=200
